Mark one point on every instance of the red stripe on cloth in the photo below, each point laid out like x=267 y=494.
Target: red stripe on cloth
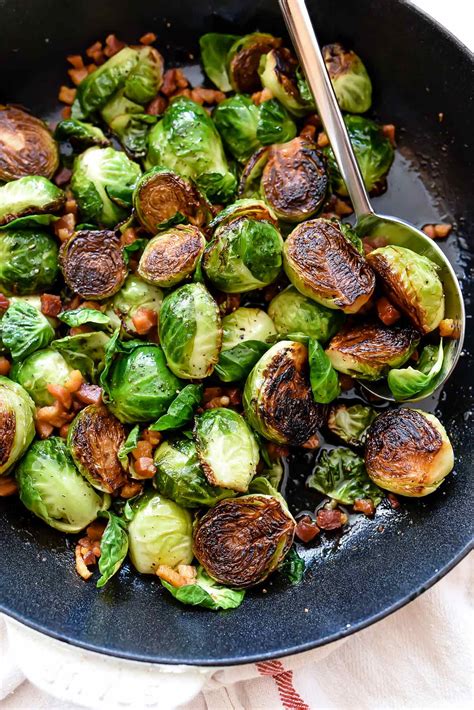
x=290 y=698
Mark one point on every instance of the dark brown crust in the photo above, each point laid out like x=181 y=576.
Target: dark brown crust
x=92 y=263
x=337 y=59
x=400 y=441
x=285 y=69
x=252 y=171
x=237 y=539
x=330 y=265
x=286 y=402
x=244 y=64
x=294 y=180
x=172 y=253
x=7 y=434
x=375 y=344
x=26 y=145
x=96 y=438
x=53 y=206
x=163 y=195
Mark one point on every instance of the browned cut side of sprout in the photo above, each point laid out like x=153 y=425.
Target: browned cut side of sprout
x=243 y=68
x=171 y=256
x=285 y=70
x=7 y=433
x=26 y=145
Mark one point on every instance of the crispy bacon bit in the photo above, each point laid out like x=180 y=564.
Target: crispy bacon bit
x=81 y=567
x=4 y=303
x=128 y=236
x=64 y=227
x=54 y=415
x=144 y=320
x=228 y=302
x=364 y=505
x=157 y=106
x=74 y=381
x=95 y=530
x=76 y=61
x=62 y=177
x=415 y=356
x=437 y=231
x=148 y=38
x=312 y=119
x=50 y=305
x=217 y=402
x=207 y=96
x=153 y=437
x=260 y=96
x=180 y=577
x=63 y=431
x=323 y=140
x=173 y=80
x=331 y=519
x=211 y=392
x=95 y=53
x=235 y=396
x=89 y=394
x=61 y=394
x=371 y=243
x=144 y=467
x=80 y=330
x=389 y=132
x=276 y=451
x=66 y=112
x=131 y=489
x=308 y=132
x=78 y=75
x=8 y=486
x=450 y=328
x=306 y=529
x=142 y=449
x=91 y=68
x=393 y=500
x=346 y=382
x=387 y=312
x=341 y=208
x=43 y=429
x=5 y=366
x=67 y=95
x=113 y=45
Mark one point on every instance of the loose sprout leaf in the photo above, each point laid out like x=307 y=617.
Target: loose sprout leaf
x=293 y=567
x=181 y=410
x=409 y=381
x=23 y=329
x=237 y=120
x=214 y=54
x=80 y=134
x=97 y=88
x=81 y=316
x=128 y=445
x=84 y=352
x=351 y=423
x=207 y=593
x=323 y=377
x=340 y=474
x=129 y=249
x=113 y=548
x=235 y=364
x=275 y=125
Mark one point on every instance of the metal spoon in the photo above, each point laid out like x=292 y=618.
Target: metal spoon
x=396 y=231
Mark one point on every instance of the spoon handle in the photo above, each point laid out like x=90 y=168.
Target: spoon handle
x=304 y=40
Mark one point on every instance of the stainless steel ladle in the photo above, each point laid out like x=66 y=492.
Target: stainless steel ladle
x=395 y=231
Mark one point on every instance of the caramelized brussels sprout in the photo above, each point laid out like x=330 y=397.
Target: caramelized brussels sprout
x=163 y=198
x=349 y=78
x=227 y=448
x=278 y=402
x=172 y=256
x=412 y=284
x=190 y=331
x=32 y=195
x=251 y=208
x=97 y=88
x=250 y=179
x=26 y=146
x=244 y=60
x=94 y=439
x=40 y=369
x=92 y=263
x=17 y=428
x=241 y=541
x=408 y=452
x=78 y=133
x=291 y=312
x=323 y=264
x=146 y=77
x=368 y=351
x=28 y=261
x=134 y=295
x=278 y=74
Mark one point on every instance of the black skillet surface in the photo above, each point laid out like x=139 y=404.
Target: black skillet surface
x=419 y=72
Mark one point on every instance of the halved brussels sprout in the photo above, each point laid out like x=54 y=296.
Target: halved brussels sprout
x=30 y=195
x=54 y=490
x=190 y=331
x=163 y=198
x=17 y=428
x=246 y=324
x=278 y=402
x=26 y=146
x=28 y=261
x=179 y=475
x=368 y=351
x=349 y=78
x=146 y=77
x=250 y=179
x=95 y=90
x=241 y=541
x=410 y=382
x=133 y=295
x=160 y=533
x=408 y=452
x=278 y=74
x=291 y=312
x=294 y=180
x=24 y=329
x=227 y=448
x=103 y=181
x=172 y=256
x=251 y=208
x=412 y=284
x=351 y=423
x=323 y=264
x=215 y=47
x=80 y=134
x=244 y=60
x=42 y=368
x=92 y=263
x=94 y=439
x=186 y=141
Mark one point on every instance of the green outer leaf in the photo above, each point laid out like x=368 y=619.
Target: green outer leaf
x=323 y=377
x=235 y=364
x=207 y=593
x=409 y=381
x=23 y=329
x=293 y=566
x=128 y=445
x=341 y=475
x=215 y=48
x=275 y=124
x=28 y=261
x=351 y=423
x=113 y=547
x=135 y=246
x=80 y=316
x=96 y=89
x=80 y=133
x=237 y=119
x=181 y=410
x=84 y=352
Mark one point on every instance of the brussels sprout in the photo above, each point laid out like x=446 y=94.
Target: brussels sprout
x=293 y=567
x=204 y=591
x=408 y=452
x=246 y=324
x=92 y=263
x=26 y=146
x=37 y=371
x=24 y=329
x=28 y=261
x=30 y=195
x=227 y=449
x=190 y=331
x=172 y=256
x=146 y=77
x=17 y=428
x=250 y=179
x=373 y=151
x=278 y=74
x=94 y=439
x=215 y=48
x=244 y=60
x=134 y=295
x=103 y=180
x=323 y=264
x=52 y=488
x=251 y=208
x=411 y=382
x=181 y=410
x=368 y=351
x=137 y=384
x=274 y=123
x=341 y=475
x=84 y=352
x=179 y=475
x=128 y=122
x=323 y=377
x=351 y=423
x=186 y=141
x=160 y=533
x=349 y=78
x=80 y=134
x=97 y=88
x=291 y=312
x=244 y=254
x=241 y=541
x=75 y=317
x=412 y=284
x=277 y=399
x=163 y=198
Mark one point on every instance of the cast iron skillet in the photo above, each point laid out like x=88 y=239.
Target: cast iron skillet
x=419 y=72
